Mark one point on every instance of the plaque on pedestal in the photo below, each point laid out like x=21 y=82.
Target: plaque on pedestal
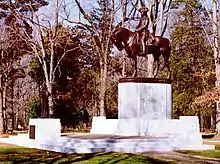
x=32 y=132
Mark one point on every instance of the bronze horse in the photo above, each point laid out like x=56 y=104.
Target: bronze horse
x=128 y=40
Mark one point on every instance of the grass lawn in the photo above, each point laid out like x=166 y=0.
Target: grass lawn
x=25 y=155
x=206 y=153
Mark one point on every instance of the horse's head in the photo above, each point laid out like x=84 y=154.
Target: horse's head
x=115 y=38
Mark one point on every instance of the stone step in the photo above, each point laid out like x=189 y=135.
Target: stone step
x=77 y=145
x=87 y=146
x=69 y=150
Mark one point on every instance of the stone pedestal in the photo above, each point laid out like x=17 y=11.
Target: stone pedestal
x=144 y=98
x=43 y=129
x=145 y=109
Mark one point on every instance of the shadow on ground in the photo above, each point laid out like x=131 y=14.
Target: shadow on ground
x=25 y=155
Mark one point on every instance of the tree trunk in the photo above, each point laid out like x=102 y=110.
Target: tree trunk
x=124 y=11
x=218 y=116
x=12 y=104
x=216 y=54
x=1 y=107
x=150 y=60
x=102 y=94
x=215 y=35
x=213 y=115
x=161 y=18
x=44 y=103
x=50 y=101
x=201 y=123
x=103 y=84
x=51 y=106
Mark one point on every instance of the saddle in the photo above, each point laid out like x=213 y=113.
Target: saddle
x=135 y=40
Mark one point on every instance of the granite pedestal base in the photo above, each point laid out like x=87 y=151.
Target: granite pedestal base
x=144 y=98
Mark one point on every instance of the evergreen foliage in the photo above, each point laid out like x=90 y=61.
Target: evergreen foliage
x=34 y=108
x=192 y=63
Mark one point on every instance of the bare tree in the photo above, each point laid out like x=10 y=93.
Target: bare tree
x=43 y=44
x=124 y=4
x=216 y=55
x=100 y=39
x=11 y=50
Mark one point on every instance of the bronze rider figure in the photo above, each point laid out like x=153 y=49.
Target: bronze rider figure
x=142 y=29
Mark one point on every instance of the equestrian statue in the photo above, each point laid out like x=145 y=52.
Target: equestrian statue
x=142 y=42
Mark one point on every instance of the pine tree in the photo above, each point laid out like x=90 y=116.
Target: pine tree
x=191 y=60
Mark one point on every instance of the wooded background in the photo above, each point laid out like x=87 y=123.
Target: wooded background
x=57 y=60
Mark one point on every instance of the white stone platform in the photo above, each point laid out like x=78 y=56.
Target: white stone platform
x=88 y=143
x=181 y=134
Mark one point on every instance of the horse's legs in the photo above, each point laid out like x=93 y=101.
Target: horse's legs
x=156 y=61
x=163 y=66
x=135 y=67
x=135 y=64
x=156 y=68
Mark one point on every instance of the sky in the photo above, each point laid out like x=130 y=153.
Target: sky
x=74 y=11
x=49 y=10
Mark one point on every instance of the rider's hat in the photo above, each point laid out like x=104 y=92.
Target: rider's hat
x=143 y=9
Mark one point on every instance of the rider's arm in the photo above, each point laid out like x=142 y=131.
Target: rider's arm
x=144 y=26
x=141 y=28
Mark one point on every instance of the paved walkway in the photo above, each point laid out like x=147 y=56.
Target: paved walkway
x=182 y=158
